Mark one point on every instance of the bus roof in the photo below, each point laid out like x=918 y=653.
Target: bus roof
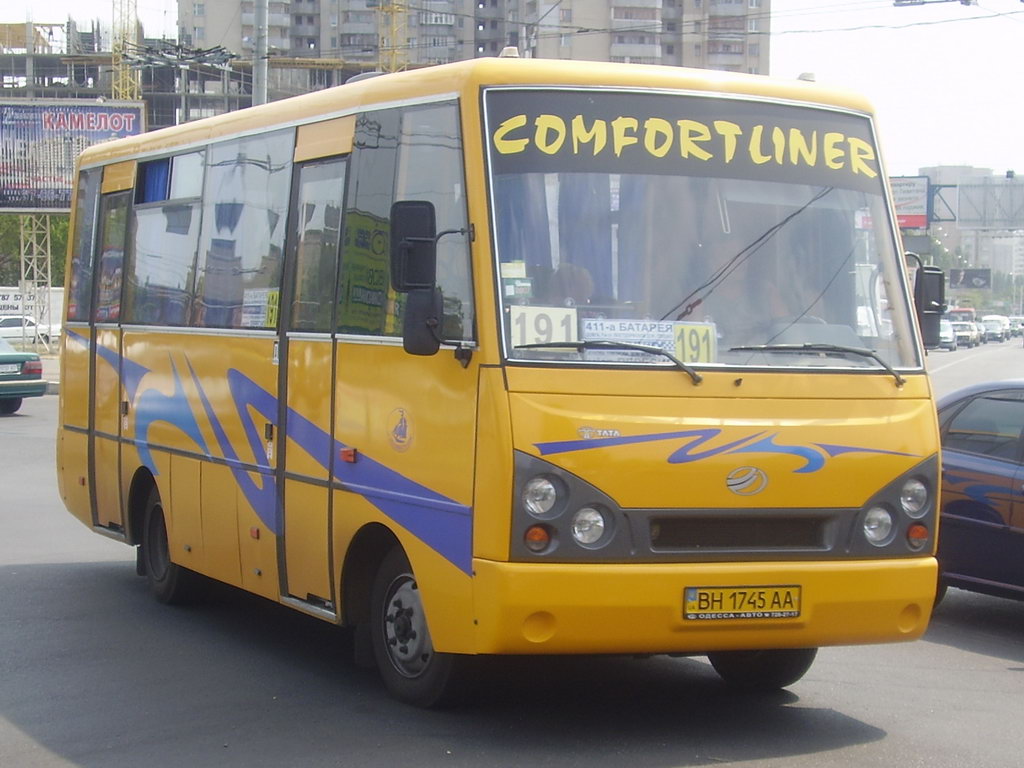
x=464 y=78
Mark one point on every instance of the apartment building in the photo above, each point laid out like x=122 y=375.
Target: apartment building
x=730 y=35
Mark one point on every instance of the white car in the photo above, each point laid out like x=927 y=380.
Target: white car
x=15 y=328
x=966 y=334
x=947 y=336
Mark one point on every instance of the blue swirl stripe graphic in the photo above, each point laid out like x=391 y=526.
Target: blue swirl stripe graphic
x=814 y=456
x=443 y=524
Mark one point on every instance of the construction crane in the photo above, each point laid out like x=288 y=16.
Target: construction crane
x=391 y=16
x=125 y=81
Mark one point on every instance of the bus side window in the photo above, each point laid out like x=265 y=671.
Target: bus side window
x=318 y=229
x=113 y=239
x=404 y=154
x=158 y=273
x=241 y=248
x=430 y=168
x=82 y=248
x=368 y=305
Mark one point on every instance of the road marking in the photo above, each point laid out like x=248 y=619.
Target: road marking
x=958 y=360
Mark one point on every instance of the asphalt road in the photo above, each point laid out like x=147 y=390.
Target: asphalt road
x=93 y=672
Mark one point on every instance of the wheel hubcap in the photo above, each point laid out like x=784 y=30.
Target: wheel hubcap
x=405 y=629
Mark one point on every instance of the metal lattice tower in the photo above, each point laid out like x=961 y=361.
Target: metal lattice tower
x=125 y=81
x=35 y=270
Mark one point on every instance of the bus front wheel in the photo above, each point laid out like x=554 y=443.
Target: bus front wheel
x=169 y=582
x=762 y=670
x=412 y=670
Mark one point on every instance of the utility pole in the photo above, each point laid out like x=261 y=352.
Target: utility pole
x=259 y=64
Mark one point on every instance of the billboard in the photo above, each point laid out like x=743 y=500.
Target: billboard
x=910 y=196
x=39 y=141
x=970 y=279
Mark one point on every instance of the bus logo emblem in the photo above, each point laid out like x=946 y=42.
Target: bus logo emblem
x=399 y=430
x=746 y=481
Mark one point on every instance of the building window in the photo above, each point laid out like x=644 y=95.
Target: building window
x=641 y=14
x=565 y=14
x=754 y=49
x=198 y=33
x=753 y=25
x=199 y=9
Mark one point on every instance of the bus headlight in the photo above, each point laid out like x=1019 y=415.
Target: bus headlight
x=539 y=496
x=588 y=526
x=878 y=526
x=914 y=497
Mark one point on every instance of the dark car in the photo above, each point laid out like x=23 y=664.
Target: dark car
x=981 y=535
x=21 y=376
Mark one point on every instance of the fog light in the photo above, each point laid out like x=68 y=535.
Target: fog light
x=878 y=526
x=588 y=526
x=914 y=497
x=539 y=496
x=537 y=538
x=917 y=536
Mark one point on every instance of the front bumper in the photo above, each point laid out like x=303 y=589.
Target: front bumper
x=622 y=608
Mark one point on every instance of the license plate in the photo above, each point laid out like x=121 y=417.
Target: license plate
x=751 y=602
x=10 y=368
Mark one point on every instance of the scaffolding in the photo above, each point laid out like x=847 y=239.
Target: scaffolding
x=35 y=277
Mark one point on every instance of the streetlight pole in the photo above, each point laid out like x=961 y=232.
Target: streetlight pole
x=259 y=64
x=183 y=76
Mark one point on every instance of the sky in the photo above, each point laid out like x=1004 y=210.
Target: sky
x=945 y=78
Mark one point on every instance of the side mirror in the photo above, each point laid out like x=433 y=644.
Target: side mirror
x=929 y=300
x=421 y=322
x=413 y=245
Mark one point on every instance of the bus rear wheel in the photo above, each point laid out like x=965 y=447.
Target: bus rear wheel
x=169 y=582
x=766 y=670
x=404 y=653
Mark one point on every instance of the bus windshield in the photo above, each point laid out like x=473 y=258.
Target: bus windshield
x=738 y=235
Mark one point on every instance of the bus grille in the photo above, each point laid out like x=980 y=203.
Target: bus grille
x=732 y=534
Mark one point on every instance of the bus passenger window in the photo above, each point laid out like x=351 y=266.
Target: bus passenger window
x=238 y=269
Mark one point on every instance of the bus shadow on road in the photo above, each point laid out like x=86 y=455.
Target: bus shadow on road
x=85 y=649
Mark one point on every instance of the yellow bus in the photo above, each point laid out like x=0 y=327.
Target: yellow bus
x=512 y=357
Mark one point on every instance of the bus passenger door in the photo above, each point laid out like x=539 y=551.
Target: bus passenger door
x=307 y=372
x=108 y=391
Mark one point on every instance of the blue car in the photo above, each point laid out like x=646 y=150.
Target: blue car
x=981 y=533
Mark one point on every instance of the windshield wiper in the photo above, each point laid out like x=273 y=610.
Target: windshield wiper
x=579 y=346
x=824 y=349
